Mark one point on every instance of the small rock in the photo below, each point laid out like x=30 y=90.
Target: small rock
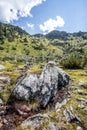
x=82 y=83
x=82 y=100
x=1 y=87
x=1 y=125
x=81 y=92
x=59 y=105
x=22 y=109
x=5 y=79
x=79 y=128
x=71 y=116
x=2 y=107
x=75 y=88
x=35 y=121
x=38 y=119
x=2 y=67
x=51 y=63
x=2 y=112
x=5 y=121
x=81 y=106
x=53 y=126
x=85 y=108
x=1 y=102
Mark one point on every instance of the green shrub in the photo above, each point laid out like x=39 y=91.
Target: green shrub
x=84 y=60
x=1 y=48
x=73 y=61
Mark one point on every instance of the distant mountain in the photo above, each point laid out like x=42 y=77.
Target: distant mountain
x=39 y=35
x=57 y=35
x=62 y=35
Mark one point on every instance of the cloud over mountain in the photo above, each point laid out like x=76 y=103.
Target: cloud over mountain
x=52 y=24
x=30 y=25
x=13 y=9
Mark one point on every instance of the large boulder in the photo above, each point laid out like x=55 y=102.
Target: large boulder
x=44 y=88
x=51 y=80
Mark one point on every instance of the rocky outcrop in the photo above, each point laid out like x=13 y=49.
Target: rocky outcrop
x=43 y=88
x=37 y=120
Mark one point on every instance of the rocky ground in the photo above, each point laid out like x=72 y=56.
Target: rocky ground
x=52 y=108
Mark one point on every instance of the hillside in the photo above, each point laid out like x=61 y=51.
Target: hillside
x=16 y=44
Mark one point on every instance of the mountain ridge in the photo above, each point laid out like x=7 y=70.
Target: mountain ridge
x=40 y=34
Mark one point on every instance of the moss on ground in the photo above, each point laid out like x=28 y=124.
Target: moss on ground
x=35 y=69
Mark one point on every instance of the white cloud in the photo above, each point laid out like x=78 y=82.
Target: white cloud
x=22 y=28
x=52 y=24
x=30 y=25
x=13 y=9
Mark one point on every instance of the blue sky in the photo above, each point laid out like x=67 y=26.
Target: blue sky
x=43 y=16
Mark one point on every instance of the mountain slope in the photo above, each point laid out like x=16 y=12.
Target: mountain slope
x=15 y=42
x=9 y=31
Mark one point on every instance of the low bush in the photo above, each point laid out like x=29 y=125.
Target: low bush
x=72 y=61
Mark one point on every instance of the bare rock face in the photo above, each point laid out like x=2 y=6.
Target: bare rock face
x=43 y=88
